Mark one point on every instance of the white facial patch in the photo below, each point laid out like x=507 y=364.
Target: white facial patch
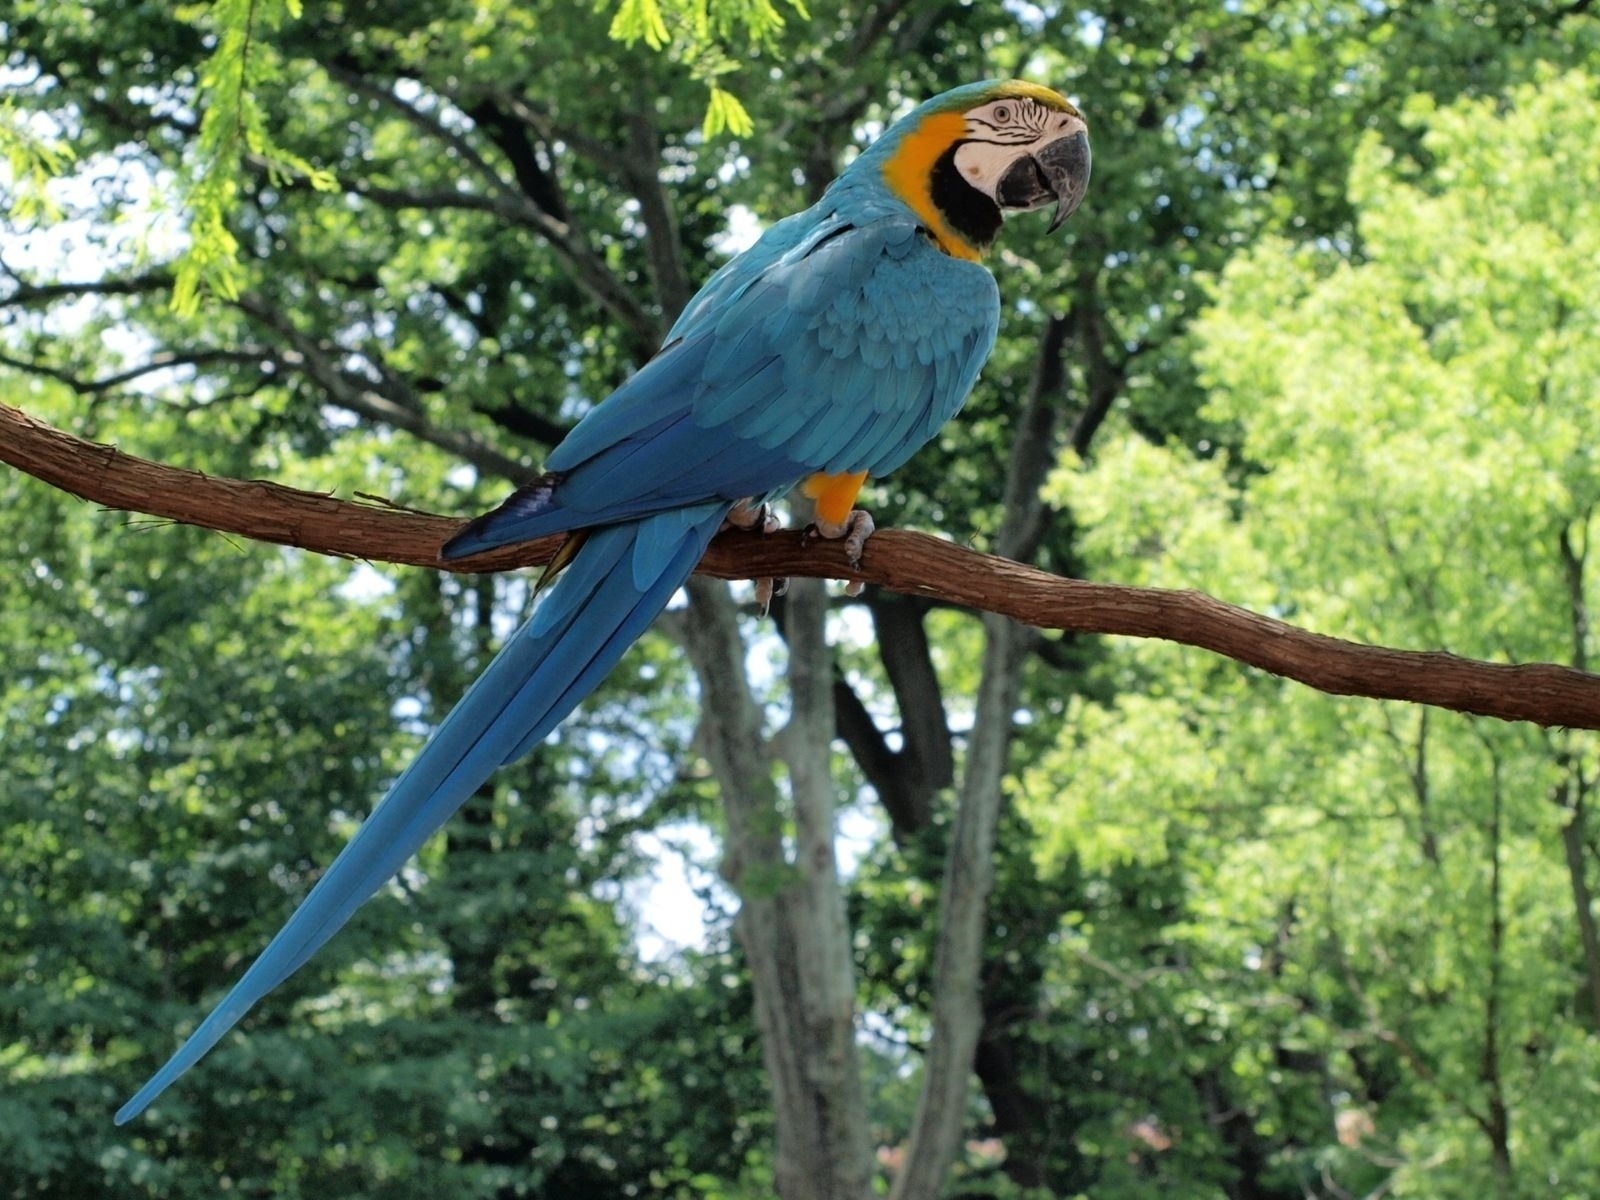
x=998 y=134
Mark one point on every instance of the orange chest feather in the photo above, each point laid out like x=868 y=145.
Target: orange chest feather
x=909 y=174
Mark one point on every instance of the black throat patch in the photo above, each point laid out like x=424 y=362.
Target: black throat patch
x=967 y=210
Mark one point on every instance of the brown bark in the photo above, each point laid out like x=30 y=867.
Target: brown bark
x=913 y=563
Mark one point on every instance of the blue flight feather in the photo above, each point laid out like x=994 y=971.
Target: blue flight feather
x=585 y=623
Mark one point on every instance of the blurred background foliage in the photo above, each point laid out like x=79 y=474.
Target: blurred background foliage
x=1331 y=353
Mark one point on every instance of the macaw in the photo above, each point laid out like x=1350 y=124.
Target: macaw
x=828 y=352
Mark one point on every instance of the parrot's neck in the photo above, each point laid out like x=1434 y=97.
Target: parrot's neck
x=915 y=164
x=967 y=211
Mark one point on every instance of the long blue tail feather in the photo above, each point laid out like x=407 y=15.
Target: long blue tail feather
x=623 y=576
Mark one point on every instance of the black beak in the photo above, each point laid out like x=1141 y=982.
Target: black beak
x=1058 y=172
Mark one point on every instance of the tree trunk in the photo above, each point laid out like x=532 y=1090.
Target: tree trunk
x=1497 y=1124
x=791 y=922
x=1574 y=837
x=1573 y=791
x=936 y=1133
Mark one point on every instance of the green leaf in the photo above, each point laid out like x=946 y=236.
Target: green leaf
x=640 y=19
x=725 y=113
x=33 y=160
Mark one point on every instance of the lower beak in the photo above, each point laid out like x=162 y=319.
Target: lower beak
x=1058 y=172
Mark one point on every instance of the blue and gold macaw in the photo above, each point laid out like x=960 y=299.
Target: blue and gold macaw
x=828 y=352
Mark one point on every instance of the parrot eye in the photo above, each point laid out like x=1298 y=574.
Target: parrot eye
x=1002 y=114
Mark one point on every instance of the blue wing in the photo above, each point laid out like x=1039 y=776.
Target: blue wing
x=838 y=351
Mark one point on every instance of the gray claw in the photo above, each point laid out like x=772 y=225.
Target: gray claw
x=854 y=530
x=746 y=516
x=766 y=591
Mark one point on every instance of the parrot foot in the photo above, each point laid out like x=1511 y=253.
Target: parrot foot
x=855 y=529
x=766 y=591
x=745 y=515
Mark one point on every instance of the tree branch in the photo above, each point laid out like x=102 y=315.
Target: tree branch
x=1103 y=381
x=164 y=361
x=26 y=294
x=511 y=136
x=882 y=767
x=391 y=402
x=643 y=167
x=913 y=563
x=510 y=204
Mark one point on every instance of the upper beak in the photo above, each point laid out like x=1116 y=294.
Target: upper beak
x=1065 y=163
x=1058 y=171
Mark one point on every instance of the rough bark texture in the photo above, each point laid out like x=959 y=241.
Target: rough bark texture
x=791 y=922
x=912 y=563
x=815 y=902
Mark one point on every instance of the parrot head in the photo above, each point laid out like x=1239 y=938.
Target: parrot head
x=967 y=157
